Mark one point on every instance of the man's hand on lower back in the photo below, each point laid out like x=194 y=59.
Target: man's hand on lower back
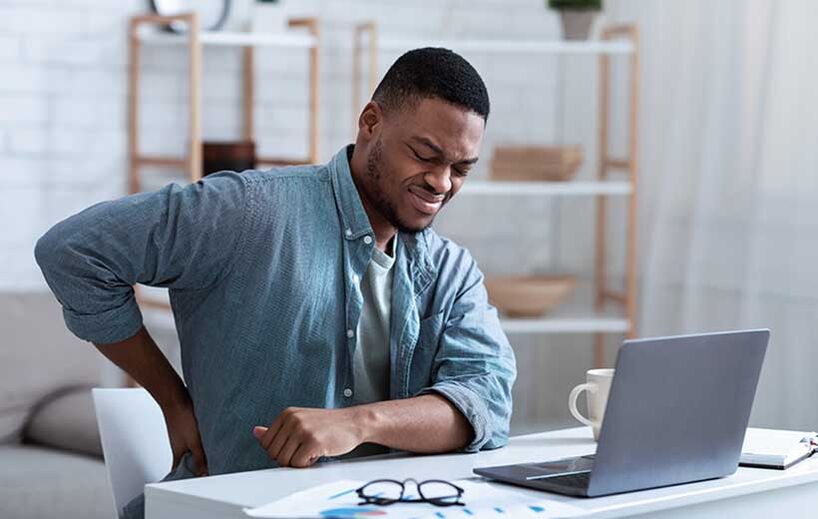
x=300 y=436
x=183 y=431
x=141 y=358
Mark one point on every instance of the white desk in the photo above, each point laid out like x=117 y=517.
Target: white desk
x=748 y=493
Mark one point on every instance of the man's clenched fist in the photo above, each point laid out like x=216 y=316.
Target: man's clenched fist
x=299 y=436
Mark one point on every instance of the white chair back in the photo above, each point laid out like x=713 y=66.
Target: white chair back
x=134 y=440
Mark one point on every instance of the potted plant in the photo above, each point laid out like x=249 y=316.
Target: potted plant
x=577 y=16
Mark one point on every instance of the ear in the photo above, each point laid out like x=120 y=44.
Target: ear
x=370 y=121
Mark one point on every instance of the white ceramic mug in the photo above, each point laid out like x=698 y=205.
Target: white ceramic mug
x=598 y=385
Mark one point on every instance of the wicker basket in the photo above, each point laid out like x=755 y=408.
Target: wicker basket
x=528 y=296
x=536 y=163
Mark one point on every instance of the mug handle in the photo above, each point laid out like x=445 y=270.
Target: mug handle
x=572 y=402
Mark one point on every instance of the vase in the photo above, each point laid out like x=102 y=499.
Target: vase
x=576 y=25
x=269 y=17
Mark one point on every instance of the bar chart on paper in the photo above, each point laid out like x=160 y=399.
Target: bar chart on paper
x=482 y=500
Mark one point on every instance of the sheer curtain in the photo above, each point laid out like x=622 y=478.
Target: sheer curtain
x=729 y=163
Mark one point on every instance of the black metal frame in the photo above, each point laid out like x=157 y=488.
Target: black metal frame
x=453 y=500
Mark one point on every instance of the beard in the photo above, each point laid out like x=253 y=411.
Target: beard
x=377 y=195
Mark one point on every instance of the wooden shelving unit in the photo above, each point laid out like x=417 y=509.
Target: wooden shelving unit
x=591 y=311
x=196 y=40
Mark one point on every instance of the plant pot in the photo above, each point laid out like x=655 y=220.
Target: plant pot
x=269 y=17
x=576 y=25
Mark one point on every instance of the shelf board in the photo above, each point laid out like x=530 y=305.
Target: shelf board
x=572 y=188
x=294 y=40
x=589 y=324
x=512 y=46
x=305 y=41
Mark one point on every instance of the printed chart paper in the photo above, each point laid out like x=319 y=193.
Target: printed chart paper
x=483 y=500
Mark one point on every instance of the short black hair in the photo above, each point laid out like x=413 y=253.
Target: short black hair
x=433 y=72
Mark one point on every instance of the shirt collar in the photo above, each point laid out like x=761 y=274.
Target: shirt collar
x=355 y=221
x=353 y=216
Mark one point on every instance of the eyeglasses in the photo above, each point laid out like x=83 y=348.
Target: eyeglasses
x=386 y=492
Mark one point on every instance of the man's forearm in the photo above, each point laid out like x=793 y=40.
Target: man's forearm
x=141 y=358
x=423 y=424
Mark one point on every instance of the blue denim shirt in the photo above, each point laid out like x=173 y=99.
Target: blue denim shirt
x=260 y=268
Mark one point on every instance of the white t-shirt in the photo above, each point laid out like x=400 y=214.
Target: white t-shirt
x=370 y=362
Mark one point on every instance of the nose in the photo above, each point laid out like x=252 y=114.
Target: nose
x=440 y=180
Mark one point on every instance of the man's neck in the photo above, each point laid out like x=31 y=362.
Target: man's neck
x=384 y=230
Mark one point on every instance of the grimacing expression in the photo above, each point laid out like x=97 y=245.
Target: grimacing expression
x=420 y=159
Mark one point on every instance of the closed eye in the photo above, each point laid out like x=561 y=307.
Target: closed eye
x=461 y=171
x=419 y=157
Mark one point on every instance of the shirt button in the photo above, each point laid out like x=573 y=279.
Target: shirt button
x=367 y=239
x=347 y=392
x=348 y=232
x=350 y=334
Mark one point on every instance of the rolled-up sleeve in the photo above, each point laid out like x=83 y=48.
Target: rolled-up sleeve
x=474 y=367
x=177 y=237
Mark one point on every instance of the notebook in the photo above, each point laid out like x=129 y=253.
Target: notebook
x=776 y=449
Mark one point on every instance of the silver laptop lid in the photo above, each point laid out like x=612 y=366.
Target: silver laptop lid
x=677 y=410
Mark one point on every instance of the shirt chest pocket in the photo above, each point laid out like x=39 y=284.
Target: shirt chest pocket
x=422 y=362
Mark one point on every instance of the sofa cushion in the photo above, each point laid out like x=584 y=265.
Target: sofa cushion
x=37 y=482
x=38 y=355
x=66 y=420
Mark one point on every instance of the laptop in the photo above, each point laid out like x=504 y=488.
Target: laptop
x=677 y=412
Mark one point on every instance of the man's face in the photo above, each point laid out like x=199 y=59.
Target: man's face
x=419 y=159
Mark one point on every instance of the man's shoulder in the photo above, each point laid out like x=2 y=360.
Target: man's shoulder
x=272 y=191
x=281 y=176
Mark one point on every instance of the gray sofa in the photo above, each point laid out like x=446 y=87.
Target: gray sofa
x=50 y=455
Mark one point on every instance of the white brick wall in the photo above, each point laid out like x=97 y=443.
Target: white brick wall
x=63 y=128
x=63 y=107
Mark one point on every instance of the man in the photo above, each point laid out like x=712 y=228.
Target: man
x=317 y=312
